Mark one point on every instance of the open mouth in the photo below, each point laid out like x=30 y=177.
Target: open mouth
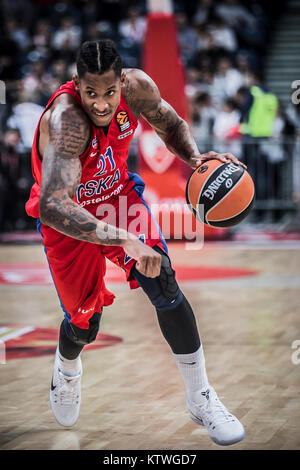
x=101 y=115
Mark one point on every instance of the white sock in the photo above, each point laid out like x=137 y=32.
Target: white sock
x=193 y=371
x=67 y=366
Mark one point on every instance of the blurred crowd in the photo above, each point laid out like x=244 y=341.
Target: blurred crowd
x=222 y=46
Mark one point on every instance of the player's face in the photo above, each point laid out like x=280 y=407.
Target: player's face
x=100 y=95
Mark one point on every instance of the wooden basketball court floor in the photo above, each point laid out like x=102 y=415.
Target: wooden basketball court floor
x=132 y=394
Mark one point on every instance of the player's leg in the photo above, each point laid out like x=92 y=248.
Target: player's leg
x=77 y=269
x=65 y=391
x=178 y=325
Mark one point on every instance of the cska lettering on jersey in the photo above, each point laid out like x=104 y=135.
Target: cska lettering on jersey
x=103 y=180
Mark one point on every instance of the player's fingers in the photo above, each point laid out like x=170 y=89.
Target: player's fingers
x=235 y=160
x=149 y=266
x=141 y=265
x=156 y=265
x=213 y=155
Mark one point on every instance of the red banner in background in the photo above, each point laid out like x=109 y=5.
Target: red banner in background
x=166 y=175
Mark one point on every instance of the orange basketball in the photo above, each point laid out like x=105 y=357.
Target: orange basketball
x=220 y=194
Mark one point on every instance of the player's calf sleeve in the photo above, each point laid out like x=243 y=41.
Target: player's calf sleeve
x=179 y=328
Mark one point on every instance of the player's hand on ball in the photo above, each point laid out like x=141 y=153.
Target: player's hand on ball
x=222 y=157
x=148 y=261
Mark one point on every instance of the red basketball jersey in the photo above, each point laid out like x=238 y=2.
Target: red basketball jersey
x=104 y=163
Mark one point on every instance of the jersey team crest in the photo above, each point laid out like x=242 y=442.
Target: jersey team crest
x=123 y=121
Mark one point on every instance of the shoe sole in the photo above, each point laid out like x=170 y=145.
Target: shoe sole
x=229 y=443
x=221 y=443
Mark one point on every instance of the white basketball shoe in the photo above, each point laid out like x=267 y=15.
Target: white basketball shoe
x=223 y=427
x=65 y=395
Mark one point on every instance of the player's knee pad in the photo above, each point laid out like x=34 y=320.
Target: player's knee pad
x=163 y=291
x=167 y=279
x=84 y=336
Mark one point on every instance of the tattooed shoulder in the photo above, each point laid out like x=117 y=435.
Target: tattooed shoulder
x=143 y=96
x=140 y=91
x=69 y=130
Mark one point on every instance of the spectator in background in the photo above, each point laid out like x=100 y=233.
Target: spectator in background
x=202 y=67
x=227 y=80
x=18 y=33
x=92 y=31
x=205 y=42
x=226 y=129
x=134 y=26
x=9 y=175
x=249 y=30
x=192 y=87
x=234 y=14
x=132 y=31
x=203 y=115
x=42 y=38
x=224 y=38
x=36 y=83
x=243 y=66
x=59 y=71
x=203 y=13
x=259 y=110
x=259 y=107
x=187 y=38
x=68 y=36
x=98 y=29
x=24 y=119
x=91 y=12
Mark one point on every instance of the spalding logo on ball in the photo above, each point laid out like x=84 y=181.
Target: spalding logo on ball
x=220 y=194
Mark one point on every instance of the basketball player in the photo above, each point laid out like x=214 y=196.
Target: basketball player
x=79 y=162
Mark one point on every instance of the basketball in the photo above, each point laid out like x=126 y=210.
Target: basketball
x=220 y=194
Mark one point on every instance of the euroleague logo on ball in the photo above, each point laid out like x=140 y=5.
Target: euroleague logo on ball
x=123 y=120
x=203 y=169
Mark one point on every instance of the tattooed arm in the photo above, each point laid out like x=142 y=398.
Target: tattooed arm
x=68 y=132
x=144 y=99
